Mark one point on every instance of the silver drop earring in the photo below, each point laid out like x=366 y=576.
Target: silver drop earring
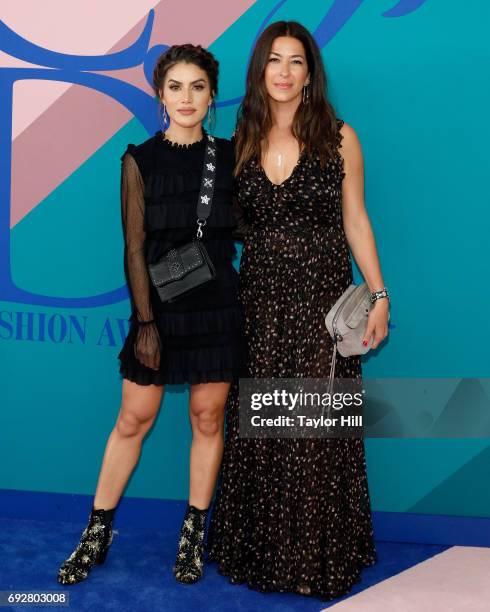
x=305 y=94
x=210 y=119
x=163 y=120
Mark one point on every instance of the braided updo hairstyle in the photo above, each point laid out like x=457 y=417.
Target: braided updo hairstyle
x=190 y=54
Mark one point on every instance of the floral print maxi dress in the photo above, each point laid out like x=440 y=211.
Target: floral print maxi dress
x=292 y=514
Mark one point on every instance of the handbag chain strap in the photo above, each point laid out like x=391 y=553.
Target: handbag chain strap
x=208 y=179
x=331 y=379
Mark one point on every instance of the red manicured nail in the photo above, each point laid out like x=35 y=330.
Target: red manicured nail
x=364 y=342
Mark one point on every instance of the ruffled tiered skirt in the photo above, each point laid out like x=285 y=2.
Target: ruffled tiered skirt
x=201 y=334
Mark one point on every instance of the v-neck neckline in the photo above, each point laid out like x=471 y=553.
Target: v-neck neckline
x=261 y=167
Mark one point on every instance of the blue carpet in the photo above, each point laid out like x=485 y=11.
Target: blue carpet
x=137 y=575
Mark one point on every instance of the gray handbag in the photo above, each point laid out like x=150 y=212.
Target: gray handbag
x=347 y=319
x=346 y=323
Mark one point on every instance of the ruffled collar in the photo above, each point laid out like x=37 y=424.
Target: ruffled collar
x=175 y=145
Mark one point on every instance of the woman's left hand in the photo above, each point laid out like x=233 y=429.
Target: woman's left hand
x=377 y=322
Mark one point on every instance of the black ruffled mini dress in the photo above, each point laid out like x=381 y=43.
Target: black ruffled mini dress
x=199 y=337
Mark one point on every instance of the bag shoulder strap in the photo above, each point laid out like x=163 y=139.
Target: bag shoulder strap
x=205 y=200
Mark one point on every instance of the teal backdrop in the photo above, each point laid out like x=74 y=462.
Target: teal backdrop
x=415 y=88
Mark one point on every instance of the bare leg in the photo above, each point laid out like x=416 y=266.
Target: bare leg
x=207 y=405
x=139 y=407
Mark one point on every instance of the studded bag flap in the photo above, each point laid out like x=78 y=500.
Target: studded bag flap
x=176 y=264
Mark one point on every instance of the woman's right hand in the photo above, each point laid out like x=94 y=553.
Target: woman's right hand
x=147 y=347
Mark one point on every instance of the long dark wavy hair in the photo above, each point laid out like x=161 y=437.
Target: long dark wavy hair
x=314 y=124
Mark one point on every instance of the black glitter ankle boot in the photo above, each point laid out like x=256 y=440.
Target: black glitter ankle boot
x=188 y=566
x=92 y=548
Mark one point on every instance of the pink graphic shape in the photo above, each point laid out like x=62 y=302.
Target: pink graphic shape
x=456 y=579
x=38 y=22
x=81 y=120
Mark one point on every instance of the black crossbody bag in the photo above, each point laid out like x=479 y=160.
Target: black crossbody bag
x=189 y=267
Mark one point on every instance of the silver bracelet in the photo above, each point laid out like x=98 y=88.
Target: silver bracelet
x=382 y=293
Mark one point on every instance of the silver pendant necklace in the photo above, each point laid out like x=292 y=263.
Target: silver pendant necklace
x=279 y=157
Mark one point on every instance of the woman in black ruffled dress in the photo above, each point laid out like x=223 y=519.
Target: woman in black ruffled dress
x=196 y=339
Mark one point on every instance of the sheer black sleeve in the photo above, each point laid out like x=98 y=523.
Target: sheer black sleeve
x=147 y=343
